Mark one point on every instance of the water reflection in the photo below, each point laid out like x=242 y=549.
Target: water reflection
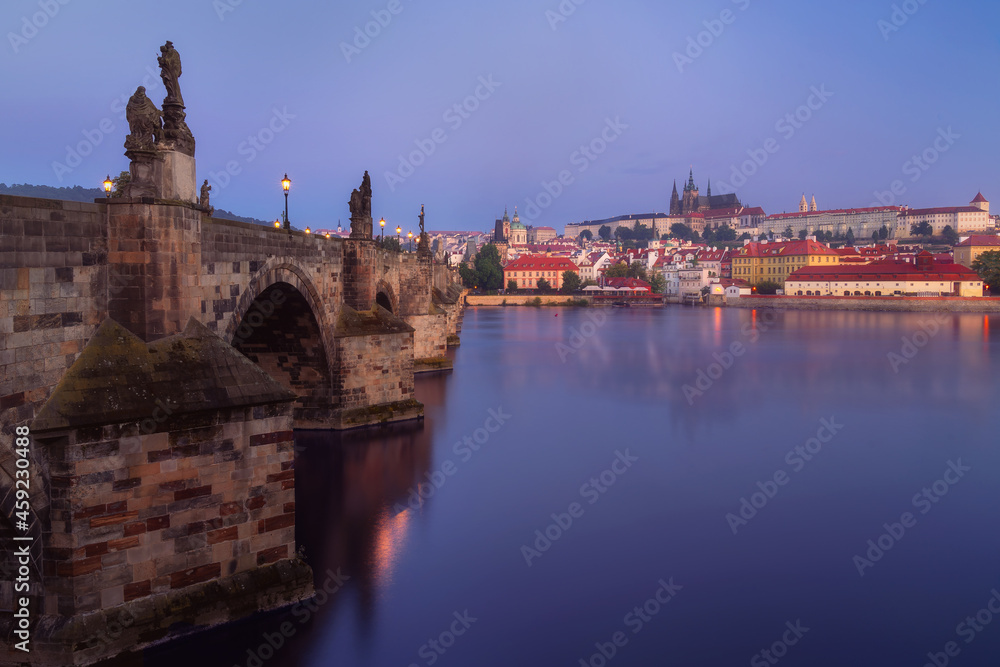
x=354 y=483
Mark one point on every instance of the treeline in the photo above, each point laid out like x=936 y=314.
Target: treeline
x=77 y=193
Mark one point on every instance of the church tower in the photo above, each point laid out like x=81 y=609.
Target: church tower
x=690 y=203
x=675 y=201
x=803 y=206
x=812 y=204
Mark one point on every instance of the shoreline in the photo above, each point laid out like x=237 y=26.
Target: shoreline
x=871 y=304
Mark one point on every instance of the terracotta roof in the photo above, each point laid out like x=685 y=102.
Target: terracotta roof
x=945 y=210
x=886 y=269
x=540 y=263
x=979 y=240
x=784 y=249
x=980 y=199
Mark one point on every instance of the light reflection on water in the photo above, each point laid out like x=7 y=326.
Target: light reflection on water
x=623 y=387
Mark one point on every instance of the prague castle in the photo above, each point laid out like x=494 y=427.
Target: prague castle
x=692 y=202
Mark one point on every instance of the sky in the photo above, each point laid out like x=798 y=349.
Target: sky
x=571 y=111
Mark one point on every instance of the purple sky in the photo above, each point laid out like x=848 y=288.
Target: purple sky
x=552 y=87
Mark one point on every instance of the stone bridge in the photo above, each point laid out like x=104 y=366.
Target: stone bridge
x=161 y=360
x=154 y=364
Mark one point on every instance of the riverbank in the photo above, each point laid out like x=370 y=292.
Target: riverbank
x=946 y=304
x=527 y=300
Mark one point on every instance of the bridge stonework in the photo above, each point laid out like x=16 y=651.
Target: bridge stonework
x=303 y=308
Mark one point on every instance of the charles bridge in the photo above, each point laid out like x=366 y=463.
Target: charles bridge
x=161 y=359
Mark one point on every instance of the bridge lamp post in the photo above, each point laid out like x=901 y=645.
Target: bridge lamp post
x=277 y=223
x=399 y=243
x=285 y=184
x=381 y=223
x=108 y=184
x=409 y=235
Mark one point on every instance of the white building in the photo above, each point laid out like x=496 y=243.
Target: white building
x=974 y=218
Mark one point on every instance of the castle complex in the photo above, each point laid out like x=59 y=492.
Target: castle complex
x=692 y=202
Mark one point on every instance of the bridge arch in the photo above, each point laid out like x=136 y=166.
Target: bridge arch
x=281 y=323
x=386 y=297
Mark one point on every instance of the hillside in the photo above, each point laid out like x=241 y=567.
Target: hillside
x=77 y=193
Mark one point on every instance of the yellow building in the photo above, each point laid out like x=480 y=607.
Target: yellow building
x=759 y=262
x=968 y=250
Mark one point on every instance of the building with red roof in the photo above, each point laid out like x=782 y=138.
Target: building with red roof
x=972 y=218
x=759 y=262
x=527 y=270
x=888 y=277
x=968 y=250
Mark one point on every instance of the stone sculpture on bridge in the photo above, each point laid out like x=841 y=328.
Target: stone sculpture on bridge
x=175 y=130
x=144 y=123
x=361 y=209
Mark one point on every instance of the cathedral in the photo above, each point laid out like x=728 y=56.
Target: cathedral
x=692 y=202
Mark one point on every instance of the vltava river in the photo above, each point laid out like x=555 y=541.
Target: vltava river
x=681 y=487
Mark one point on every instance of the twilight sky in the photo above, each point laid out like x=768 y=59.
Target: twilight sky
x=616 y=98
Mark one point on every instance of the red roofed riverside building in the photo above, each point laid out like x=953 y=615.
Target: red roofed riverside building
x=968 y=250
x=528 y=269
x=887 y=277
x=759 y=262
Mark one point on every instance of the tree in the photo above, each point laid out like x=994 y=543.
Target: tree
x=623 y=233
x=950 y=235
x=604 y=232
x=695 y=237
x=489 y=273
x=883 y=232
x=708 y=236
x=987 y=265
x=767 y=287
x=850 y=237
x=468 y=275
x=788 y=233
x=586 y=235
x=680 y=230
x=725 y=233
x=570 y=281
x=745 y=236
x=803 y=234
x=543 y=285
x=619 y=270
x=658 y=283
x=389 y=243
x=120 y=181
x=511 y=285
x=875 y=237
x=924 y=228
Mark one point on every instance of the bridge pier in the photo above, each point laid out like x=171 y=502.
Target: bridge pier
x=172 y=498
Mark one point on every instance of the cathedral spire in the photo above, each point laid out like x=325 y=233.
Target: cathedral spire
x=710 y=187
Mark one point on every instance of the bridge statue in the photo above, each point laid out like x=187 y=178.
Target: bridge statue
x=361 y=209
x=144 y=123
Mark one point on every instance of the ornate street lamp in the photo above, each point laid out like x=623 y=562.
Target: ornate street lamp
x=381 y=223
x=409 y=235
x=308 y=230
x=277 y=223
x=108 y=184
x=399 y=242
x=285 y=184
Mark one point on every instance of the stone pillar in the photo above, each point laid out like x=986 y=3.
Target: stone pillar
x=359 y=272
x=156 y=249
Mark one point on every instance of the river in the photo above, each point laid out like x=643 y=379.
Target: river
x=680 y=486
